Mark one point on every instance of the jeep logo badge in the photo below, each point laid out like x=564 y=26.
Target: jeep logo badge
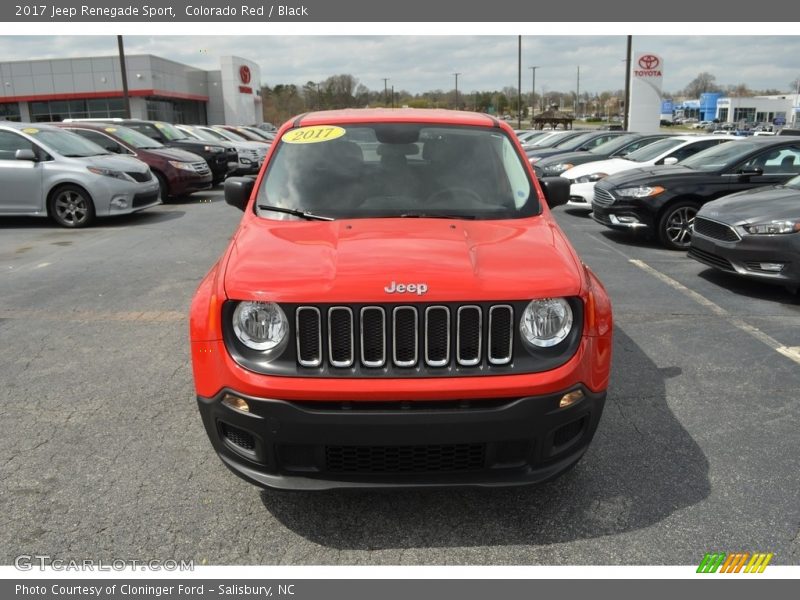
x=406 y=288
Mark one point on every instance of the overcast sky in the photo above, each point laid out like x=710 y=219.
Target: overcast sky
x=421 y=63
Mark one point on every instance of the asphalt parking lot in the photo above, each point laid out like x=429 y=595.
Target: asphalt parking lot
x=104 y=455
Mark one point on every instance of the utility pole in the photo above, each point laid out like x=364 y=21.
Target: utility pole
x=578 y=93
x=456 y=76
x=392 y=95
x=533 y=92
x=626 y=112
x=126 y=101
x=385 y=90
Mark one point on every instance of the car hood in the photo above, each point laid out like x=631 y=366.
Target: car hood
x=651 y=175
x=354 y=260
x=117 y=163
x=755 y=206
x=609 y=166
x=168 y=153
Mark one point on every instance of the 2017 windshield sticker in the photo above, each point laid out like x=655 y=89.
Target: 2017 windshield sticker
x=313 y=134
x=110 y=129
x=30 y=130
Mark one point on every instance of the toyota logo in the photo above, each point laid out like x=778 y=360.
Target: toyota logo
x=649 y=62
x=244 y=74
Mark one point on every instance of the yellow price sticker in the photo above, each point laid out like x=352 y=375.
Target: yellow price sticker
x=313 y=134
x=30 y=130
x=110 y=129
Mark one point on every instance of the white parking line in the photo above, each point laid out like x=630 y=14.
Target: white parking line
x=790 y=352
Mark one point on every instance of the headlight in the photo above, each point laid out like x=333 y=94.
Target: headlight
x=642 y=191
x=186 y=166
x=591 y=178
x=213 y=149
x=261 y=326
x=558 y=169
x=773 y=227
x=109 y=173
x=546 y=322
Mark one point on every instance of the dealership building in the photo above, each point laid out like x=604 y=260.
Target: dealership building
x=781 y=109
x=159 y=89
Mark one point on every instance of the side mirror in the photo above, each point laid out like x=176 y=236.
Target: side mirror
x=26 y=154
x=751 y=171
x=238 y=190
x=670 y=160
x=556 y=190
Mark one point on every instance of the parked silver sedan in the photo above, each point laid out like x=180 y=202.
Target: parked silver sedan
x=46 y=171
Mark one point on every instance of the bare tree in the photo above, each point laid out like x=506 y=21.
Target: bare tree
x=703 y=83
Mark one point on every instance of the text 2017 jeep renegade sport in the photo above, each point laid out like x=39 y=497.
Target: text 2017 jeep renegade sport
x=399 y=308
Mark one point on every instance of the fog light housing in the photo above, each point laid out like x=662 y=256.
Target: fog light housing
x=570 y=398
x=771 y=267
x=121 y=203
x=236 y=403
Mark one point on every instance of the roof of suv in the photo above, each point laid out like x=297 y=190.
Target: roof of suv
x=397 y=115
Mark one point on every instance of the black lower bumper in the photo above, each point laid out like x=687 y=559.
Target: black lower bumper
x=328 y=445
x=747 y=257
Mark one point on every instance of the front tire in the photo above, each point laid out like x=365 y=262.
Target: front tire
x=163 y=187
x=675 y=225
x=71 y=206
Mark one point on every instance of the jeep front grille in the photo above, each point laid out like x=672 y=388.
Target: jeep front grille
x=405 y=336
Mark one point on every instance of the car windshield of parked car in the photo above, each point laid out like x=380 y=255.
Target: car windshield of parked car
x=211 y=135
x=720 y=157
x=171 y=133
x=575 y=142
x=66 y=143
x=230 y=135
x=133 y=138
x=654 y=150
x=614 y=144
x=550 y=141
x=397 y=170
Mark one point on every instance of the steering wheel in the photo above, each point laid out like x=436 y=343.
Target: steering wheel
x=455 y=191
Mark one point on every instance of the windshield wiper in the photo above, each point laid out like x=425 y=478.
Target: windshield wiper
x=434 y=216
x=297 y=213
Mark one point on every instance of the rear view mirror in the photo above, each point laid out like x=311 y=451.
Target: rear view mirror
x=237 y=191
x=748 y=171
x=556 y=190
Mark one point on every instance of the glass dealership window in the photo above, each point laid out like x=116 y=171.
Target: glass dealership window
x=10 y=111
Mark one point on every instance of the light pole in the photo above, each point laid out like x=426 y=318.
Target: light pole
x=456 y=76
x=533 y=92
x=126 y=101
x=576 y=108
x=385 y=90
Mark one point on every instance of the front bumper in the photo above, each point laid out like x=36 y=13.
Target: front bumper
x=580 y=195
x=623 y=217
x=115 y=197
x=327 y=445
x=746 y=256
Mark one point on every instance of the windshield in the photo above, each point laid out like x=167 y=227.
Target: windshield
x=66 y=143
x=654 y=150
x=553 y=140
x=170 y=132
x=133 y=138
x=211 y=134
x=614 y=144
x=397 y=170
x=230 y=135
x=202 y=134
x=718 y=157
x=575 y=142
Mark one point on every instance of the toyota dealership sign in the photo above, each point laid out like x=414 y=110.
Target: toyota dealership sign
x=647 y=72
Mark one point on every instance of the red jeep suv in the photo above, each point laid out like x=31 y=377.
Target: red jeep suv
x=398 y=308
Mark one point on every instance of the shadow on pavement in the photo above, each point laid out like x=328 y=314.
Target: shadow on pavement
x=750 y=288
x=641 y=467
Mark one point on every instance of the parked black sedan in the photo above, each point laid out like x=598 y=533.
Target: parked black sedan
x=617 y=147
x=755 y=234
x=664 y=200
